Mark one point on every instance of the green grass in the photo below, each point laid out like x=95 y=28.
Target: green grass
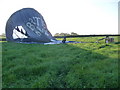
x=82 y=65
x=0 y=66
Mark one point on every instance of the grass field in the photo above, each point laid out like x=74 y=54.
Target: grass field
x=81 y=65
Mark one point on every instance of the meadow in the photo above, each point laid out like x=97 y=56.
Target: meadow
x=73 y=65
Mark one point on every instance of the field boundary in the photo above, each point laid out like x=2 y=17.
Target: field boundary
x=72 y=36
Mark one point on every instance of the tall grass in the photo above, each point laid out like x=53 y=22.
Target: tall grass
x=82 y=65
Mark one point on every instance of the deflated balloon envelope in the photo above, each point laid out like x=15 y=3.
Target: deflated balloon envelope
x=27 y=25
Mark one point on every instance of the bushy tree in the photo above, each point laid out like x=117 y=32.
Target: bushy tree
x=72 y=33
x=57 y=34
x=65 y=34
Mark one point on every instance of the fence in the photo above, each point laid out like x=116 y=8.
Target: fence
x=71 y=36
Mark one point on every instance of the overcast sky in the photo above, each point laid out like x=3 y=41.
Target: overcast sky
x=80 y=16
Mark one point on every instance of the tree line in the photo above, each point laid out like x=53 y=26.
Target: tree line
x=57 y=34
x=66 y=34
